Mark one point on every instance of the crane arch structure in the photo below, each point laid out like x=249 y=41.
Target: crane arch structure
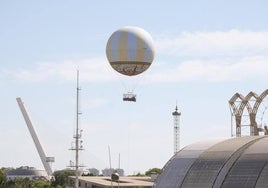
x=249 y=104
x=45 y=160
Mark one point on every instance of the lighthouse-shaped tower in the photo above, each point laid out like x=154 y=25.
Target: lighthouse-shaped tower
x=176 y=122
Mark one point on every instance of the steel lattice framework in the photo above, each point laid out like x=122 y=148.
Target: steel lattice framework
x=176 y=118
x=251 y=102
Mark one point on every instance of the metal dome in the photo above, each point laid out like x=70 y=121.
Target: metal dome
x=130 y=50
x=236 y=162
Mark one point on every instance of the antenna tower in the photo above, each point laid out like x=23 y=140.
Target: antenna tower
x=176 y=122
x=77 y=136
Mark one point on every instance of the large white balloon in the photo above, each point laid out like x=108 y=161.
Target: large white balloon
x=130 y=50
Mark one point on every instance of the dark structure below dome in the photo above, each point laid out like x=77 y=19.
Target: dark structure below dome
x=235 y=162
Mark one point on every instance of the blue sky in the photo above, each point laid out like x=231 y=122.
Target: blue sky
x=205 y=52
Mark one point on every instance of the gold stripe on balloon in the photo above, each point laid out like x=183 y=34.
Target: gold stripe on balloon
x=122 y=46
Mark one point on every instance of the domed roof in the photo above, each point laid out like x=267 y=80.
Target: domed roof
x=234 y=162
x=26 y=171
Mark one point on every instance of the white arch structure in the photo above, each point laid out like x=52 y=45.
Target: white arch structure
x=251 y=102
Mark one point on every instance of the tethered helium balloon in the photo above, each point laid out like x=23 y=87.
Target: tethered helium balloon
x=130 y=50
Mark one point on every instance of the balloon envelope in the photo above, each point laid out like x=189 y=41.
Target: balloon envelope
x=130 y=50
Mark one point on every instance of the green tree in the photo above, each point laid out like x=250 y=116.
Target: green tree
x=153 y=171
x=23 y=183
x=10 y=184
x=27 y=183
x=41 y=184
x=61 y=178
x=3 y=178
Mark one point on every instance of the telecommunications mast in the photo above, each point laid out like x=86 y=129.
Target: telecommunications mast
x=77 y=135
x=176 y=122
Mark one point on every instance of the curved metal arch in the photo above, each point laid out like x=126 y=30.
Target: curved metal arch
x=259 y=101
x=235 y=108
x=235 y=96
x=245 y=103
x=233 y=100
x=252 y=115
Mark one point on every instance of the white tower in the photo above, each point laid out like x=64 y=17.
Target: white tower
x=176 y=121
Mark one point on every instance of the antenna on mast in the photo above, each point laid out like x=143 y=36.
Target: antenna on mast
x=78 y=134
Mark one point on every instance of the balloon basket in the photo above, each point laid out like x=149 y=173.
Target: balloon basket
x=129 y=97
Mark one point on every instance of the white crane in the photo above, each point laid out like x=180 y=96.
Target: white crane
x=45 y=160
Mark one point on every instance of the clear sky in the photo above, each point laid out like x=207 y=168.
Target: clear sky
x=206 y=51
